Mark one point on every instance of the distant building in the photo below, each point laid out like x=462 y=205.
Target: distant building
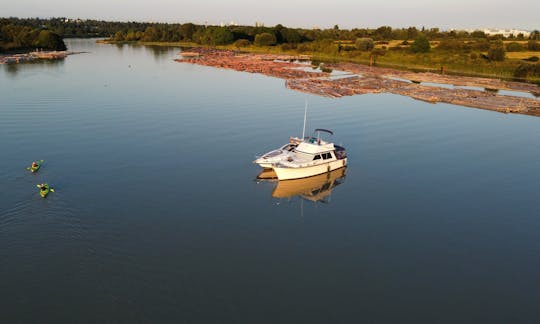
x=259 y=24
x=68 y=20
x=231 y=23
x=504 y=32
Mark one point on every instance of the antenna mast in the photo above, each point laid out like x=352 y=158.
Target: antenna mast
x=304 y=129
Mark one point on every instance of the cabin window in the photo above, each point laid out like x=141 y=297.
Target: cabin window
x=317 y=157
x=327 y=156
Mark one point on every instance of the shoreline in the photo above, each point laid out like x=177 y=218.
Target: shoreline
x=33 y=56
x=413 y=68
x=360 y=79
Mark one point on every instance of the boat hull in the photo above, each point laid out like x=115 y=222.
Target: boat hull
x=311 y=188
x=288 y=173
x=265 y=165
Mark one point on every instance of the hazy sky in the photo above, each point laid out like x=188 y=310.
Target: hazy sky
x=295 y=13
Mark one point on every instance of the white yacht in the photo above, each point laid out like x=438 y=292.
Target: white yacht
x=310 y=157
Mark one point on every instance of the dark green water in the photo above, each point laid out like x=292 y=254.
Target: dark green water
x=157 y=216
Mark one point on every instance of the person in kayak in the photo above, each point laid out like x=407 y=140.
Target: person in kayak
x=34 y=164
x=42 y=187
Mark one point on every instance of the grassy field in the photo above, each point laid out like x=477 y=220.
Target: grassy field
x=521 y=55
x=454 y=63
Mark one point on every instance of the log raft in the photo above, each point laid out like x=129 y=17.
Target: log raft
x=365 y=79
x=38 y=55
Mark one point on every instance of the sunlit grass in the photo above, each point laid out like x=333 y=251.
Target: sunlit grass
x=521 y=55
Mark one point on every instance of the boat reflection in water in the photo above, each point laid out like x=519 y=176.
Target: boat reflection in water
x=317 y=188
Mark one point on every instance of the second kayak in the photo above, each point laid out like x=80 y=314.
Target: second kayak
x=44 y=189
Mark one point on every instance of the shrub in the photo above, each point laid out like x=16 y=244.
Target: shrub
x=348 y=48
x=265 y=39
x=242 y=43
x=378 y=52
x=514 y=47
x=481 y=45
x=325 y=69
x=451 y=45
x=286 y=47
x=364 y=44
x=303 y=48
x=532 y=59
x=525 y=70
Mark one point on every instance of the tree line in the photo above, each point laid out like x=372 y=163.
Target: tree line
x=221 y=35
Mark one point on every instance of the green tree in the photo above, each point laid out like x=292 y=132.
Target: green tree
x=265 y=39
x=279 y=31
x=496 y=52
x=49 y=40
x=119 y=36
x=151 y=34
x=133 y=36
x=214 y=36
x=383 y=33
x=478 y=34
x=420 y=45
x=376 y=53
x=290 y=36
x=533 y=45
x=187 y=30
x=222 y=36
x=412 y=33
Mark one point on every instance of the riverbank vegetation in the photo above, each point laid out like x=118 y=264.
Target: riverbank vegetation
x=15 y=39
x=422 y=49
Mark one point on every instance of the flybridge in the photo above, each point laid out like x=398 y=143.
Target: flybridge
x=324 y=130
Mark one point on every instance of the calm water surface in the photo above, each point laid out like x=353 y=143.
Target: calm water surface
x=158 y=216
